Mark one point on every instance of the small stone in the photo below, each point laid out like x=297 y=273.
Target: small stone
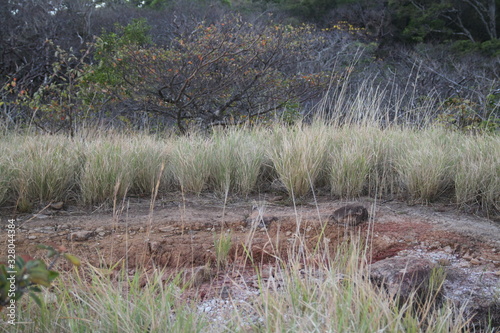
x=467 y=256
x=276 y=198
x=166 y=229
x=57 y=205
x=448 y=249
x=475 y=261
x=497 y=273
x=350 y=215
x=31 y=237
x=288 y=233
x=225 y=292
x=80 y=236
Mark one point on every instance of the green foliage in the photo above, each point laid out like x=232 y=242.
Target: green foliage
x=420 y=21
x=26 y=275
x=491 y=47
x=427 y=20
x=55 y=105
x=465 y=46
x=463 y=114
x=108 y=51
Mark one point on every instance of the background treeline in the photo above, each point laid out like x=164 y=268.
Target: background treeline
x=157 y=64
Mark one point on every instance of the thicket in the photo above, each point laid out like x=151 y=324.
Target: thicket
x=158 y=64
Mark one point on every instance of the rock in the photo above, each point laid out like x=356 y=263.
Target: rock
x=225 y=292
x=57 y=205
x=350 y=215
x=80 y=236
x=448 y=249
x=475 y=261
x=478 y=293
x=167 y=229
x=401 y=276
x=46 y=230
x=276 y=198
x=473 y=291
x=467 y=256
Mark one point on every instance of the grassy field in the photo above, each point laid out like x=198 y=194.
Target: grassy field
x=350 y=161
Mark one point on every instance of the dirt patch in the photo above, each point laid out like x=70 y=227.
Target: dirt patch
x=182 y=233
x=179 y=235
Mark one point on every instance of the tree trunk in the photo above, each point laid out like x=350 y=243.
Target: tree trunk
x=492 y=19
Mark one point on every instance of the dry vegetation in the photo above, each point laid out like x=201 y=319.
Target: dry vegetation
x=346 y=161
x=333 y=297
x=350 y=161
x=376 y=134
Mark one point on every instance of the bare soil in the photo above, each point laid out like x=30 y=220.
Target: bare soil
x=179 y=234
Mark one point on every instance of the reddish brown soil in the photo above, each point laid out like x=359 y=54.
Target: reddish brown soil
x=181 y=233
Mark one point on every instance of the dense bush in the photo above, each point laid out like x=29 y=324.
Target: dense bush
x=222 y=73
x=187 y=63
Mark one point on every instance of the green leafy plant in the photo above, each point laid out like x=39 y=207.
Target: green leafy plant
x=463 y=114
x=26 y=275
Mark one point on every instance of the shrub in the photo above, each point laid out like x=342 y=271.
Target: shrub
x=218 y=74
x=26 y=275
